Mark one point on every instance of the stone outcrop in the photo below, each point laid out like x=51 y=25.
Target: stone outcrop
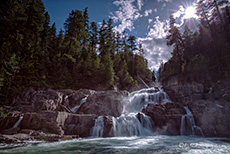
x=47 y=111
x=108 y=126
x=212 y=116
x=77 y=124
x=181 y=91
x=208 y=102
x=48 y=121
x=74 y=97
x=98 y=102
x=38 y=125
x=35 y=100
x=166 y=117
x=103 y=103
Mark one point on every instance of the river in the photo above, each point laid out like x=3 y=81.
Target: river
x=158 y=144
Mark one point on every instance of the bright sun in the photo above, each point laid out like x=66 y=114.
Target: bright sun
x=190 y=12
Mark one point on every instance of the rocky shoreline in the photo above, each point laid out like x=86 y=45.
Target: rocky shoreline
x=55 y=115
x=48 y=114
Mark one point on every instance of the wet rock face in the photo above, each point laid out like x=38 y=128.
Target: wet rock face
x=49 y=122
x=74 y=97
x=8 y=122
x=166 y=117
x=60 y=123
x=108 y=126
x=212 y=116
x=184 y=92
x=103 y=103
x=209 y=103
x=77 y=124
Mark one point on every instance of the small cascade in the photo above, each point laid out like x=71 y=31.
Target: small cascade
x=74 y=109
x=132 y=125
x=137 y=100
x=133 y=122
x=98 y=127
x=188 y=126
x=18 y=122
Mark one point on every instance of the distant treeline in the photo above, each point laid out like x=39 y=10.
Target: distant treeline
x=203 y=55
x=82 y=55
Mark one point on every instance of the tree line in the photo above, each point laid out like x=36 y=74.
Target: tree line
x=202 y=55
x=83 y=55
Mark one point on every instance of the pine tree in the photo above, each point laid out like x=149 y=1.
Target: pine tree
x=132 y=43
x=93 y=36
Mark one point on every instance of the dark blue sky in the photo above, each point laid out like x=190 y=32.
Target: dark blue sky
x=59 y=9
x=145 y=19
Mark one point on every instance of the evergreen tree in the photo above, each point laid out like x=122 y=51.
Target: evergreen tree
x=132 y=43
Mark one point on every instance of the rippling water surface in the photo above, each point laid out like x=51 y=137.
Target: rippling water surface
x=151 y=144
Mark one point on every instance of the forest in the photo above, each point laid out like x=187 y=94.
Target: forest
x=83 y=55
x=202 y=55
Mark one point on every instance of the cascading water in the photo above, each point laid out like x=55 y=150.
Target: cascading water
x=98 y=128
x=18 y=122
x=133 y=122
x=74 y=109
x=188 y=126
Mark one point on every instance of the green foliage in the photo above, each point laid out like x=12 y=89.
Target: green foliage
x=33 y=55
x=3 y=114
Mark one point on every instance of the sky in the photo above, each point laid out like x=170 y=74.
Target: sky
x=147 y=20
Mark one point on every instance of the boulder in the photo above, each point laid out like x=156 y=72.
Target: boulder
x=103 y=103
x=47 y=121
x=108 y=126
x=166 y=117
x=77 y=124
x=35 y=100
x=74 y=97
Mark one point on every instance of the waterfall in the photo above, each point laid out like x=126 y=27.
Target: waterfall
x=138 y=99
x=18 y=122
x=133 y=122
x=74 y=109
x=98 y=128
x=188 y=126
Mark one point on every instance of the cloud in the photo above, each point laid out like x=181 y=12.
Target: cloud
x=154 y=44
x=139 y=4
x=155 y=10
x=150 y=20
x=182 y=20
x=159 y=29
x=179 y=12
x=127 y=13
x=164 y=1
x=148 y=12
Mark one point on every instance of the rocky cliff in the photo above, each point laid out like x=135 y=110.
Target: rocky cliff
x=208 y=102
